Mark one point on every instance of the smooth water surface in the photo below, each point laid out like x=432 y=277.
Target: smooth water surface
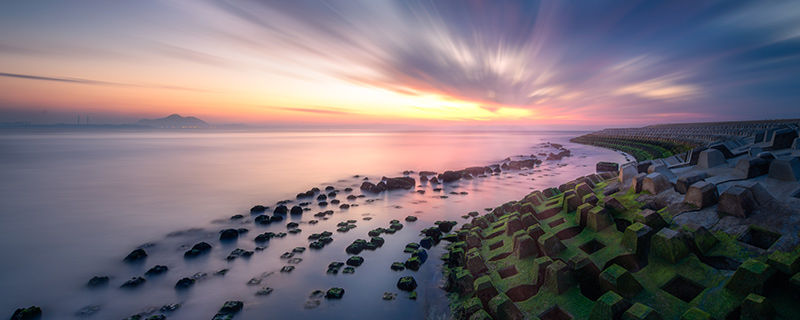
x=73 y=204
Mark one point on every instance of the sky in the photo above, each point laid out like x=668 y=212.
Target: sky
x=533 y=64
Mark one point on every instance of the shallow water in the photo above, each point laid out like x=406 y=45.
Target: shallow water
x=75 y=203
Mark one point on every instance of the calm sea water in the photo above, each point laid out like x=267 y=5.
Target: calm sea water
x=73 y=204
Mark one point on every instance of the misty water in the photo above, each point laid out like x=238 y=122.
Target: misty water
x=74 y=204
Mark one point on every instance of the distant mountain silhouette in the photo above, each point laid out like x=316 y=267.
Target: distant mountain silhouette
x=175 y=121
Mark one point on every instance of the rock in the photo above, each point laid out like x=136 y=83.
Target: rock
x=449 y=176
x=258 y=209
x=262 y=219
x=281 y=209
x=355 y=261
x=264 y=291
x=656 y=183
x=184 y=283
x=133 y=282
x=684 y=182
x=400 y=183
x=446 y=226
x=156 y=270
x=30 y=313
x=170 y=307
x=711 y=158
x=702 y=195
x=413 y=263
x=407 y=283
x=97 y=281
x=237 y=217
x=551 y=244
x=334 y=293
x=296 y=210
x=136 y=255
x=411 y=218
x=786 y=168
x=228 y=234
x=198 y=249
x=231 y=307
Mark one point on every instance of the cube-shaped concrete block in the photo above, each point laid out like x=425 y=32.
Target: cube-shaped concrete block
x=695 y=314
x=640 y=312
x=750 y=277
x=525 y=246
x=636 y=238
x=669 y=245
x=656 y=183
x=513 y=224
x=501 y=307
x=627 y=172
x=756 y=307
x=711 y=158
x=619 y=280
x=598 y=219
x=551 y=244
x=702 y=194
x=571 y=202
x=582 y=213
x=484 y=289
x=652 y=219
x=475 y=262
x=637 y=182
x=785 y=262
x=684 y=182
x=609 y=306
x=559 y=277
x=786 y=168
x=751 y=167
x=737 y=201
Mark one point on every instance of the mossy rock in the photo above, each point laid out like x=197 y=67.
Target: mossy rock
x=398 y=266
x=334 y=293
x=407 y=283
x=30 y=313
x=355 y=261
x=230 y=307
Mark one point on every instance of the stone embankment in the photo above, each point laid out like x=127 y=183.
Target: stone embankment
x=708 y=234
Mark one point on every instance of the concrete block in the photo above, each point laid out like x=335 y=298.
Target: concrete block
x=636 y=238
x=694 y=155
x=609 y=306
x=662 y=169
x=559 y=277
x=782 y=139
x=640 y=312
x=501 y=307
x=656 y=183
x=711 y=158
x=582 y=189
x=626 y=172
x=641 y=167
x=786 y=168
x=572 y=202
x=737 y=201
x=796 y=144
x=598 y=219
x=551 y=244
x=785 y=262
x=750 y=277
x=756 y=307
x=754 y=151
x=695 y=314
x=702 y=195
x=751 y=167
x=684 y=182
x=620 y=281
x=652 y=219
x=668 y=244
x=525 y=246
x=604 y=166
x=637 y=182
x=613 y=205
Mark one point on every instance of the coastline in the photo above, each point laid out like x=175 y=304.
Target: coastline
x=710 y=233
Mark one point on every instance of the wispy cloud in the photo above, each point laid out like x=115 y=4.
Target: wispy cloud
x=97 y=82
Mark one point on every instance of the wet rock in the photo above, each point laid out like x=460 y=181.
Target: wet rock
x=389 y=296
x=281 y=209
x=184 y=283
x=156 y=270
x=133 y=282
x=407 y=283
x=398 y=266
x=400 y=183
x=198 y=249
x=136 y=255
x=349 y=270
x=262 y=219
x=378 y=241
x=230 y=307
x=30 y=313
x=228 y=234
x=264 y=291
x=411 y=218
x=170 y=307
x=296 y=210
x=258 y=209
x=97 y=281
x=237 y=217
x=355 y=261
x=449 y=176
x=446 y=226
x=334 y=293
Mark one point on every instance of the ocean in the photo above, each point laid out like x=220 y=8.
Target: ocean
x=73 y=204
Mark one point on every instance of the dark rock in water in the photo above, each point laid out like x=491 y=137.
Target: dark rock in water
x=275 y=218
x=433 y=232
x=264 y=237
x=198 y=249
x=264 y=291
x=237 y=217
x=446 y=226
x=423 y=178
x=263 y=219
x=336 y=201
x=411 y=218
x=354 y=248
x=133 y=282
x=157 y=317
x=348 y=189
x=30 y=313
x=349 y=270
x=158 y=269
x=322 y=203
x=281 y=209
x=426 y=242
x=87 y=311
x=449 y=176
x=407 y=283
x=184 y=283
x=170 y=307
x=400 y=183
x=296 y=210
x=334 y=293
x=355 y=261
x=316 y=245
x=398 y=266
x=434 y=180
x=329 y=188
x=332 y=194
x=378 y=241
x=413 y=263
x=421 y=254
x=97 y=281
x=322 y=197
x=136 y=255
x=352 y=197
x=220 y=316
x=231 y=307
x=228 y=234
x=326 y=239
x=292 y=225
x=258 y=209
